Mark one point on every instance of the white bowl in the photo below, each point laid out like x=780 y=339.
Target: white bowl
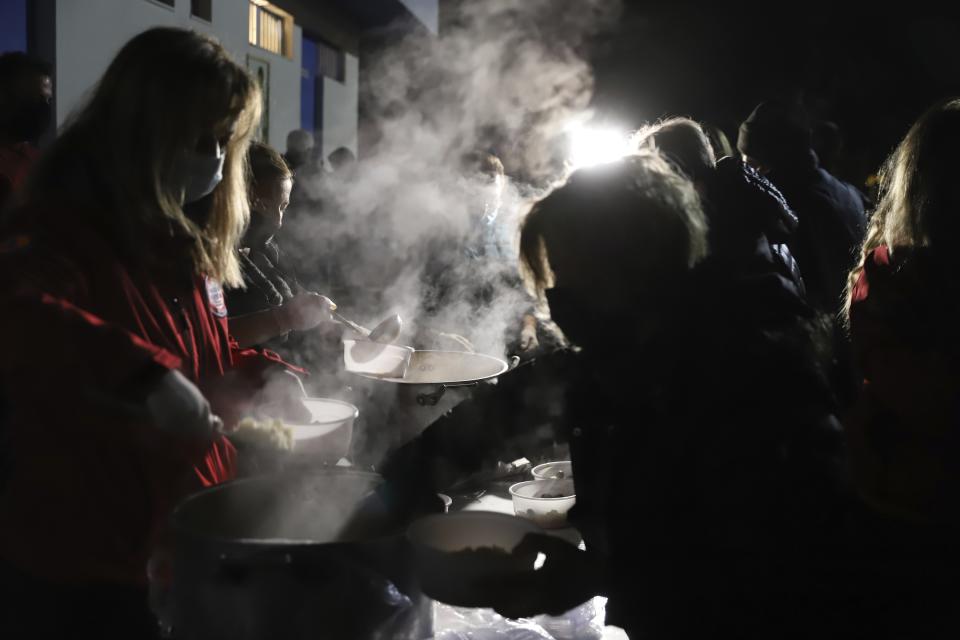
x=553 y=470
x=456 y=553
x=374 y=359
x=327 y=411
x=327 y=438
x=548 y=512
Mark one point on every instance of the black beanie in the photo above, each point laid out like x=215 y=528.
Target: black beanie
x=776 y=134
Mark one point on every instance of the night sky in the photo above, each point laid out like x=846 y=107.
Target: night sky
x=871 y=73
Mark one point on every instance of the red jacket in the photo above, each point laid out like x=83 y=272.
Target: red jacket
x=15 y=163
x=90 y=482
x=905 y=429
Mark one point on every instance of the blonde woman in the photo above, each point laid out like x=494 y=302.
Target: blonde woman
x=903 y=308
x=111 y=290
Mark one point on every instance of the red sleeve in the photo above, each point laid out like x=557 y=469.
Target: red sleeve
x=219 y=465
x=56 y=351
x=888 y=326
x=47 y=330
x=85 y=457
x=59 y=340
x=234 y=394
x=257 y=362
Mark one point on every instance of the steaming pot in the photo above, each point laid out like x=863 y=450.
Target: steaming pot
x=263 y=558
x=434 y=383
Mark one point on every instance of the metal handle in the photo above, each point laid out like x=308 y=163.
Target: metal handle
x=350 y=324
x=432 y=398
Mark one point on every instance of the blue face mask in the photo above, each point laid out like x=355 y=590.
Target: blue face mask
x=200 y=173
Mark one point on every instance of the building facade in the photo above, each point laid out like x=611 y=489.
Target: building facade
x=304 y=52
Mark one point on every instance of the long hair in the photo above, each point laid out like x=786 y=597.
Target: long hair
x=117 y=160
x=919 y=202
x=636 y=218
x=684 y=142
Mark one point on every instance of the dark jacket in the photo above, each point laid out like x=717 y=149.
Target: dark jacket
x=267 y=284
x=707 y=464
x=831 y=226
x=750 y=223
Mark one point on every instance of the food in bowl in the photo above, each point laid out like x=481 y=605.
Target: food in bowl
x=270 y=434
x=458 y=555
x=553 y=470
x=544 y=502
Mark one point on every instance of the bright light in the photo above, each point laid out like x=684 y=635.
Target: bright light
x=594 y=145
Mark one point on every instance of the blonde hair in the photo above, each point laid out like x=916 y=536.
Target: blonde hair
x=684 y=142
x=637 y=216
x=117 y=159
x=919 y=193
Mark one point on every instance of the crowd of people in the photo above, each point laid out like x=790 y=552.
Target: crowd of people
x=760 y=391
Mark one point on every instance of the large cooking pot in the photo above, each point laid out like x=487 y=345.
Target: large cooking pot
x=298 y=555
x=434 y=383
x=450 y=368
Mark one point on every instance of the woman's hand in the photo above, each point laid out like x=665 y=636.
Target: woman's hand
x=528 y=334
x=177 y=406
x=305 y=311
x=282 y=397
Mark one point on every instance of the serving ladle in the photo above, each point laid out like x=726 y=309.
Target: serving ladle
x=376 y=341
x=384 y=333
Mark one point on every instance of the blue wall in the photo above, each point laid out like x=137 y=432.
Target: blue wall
x=13 y=25
x=308 y=82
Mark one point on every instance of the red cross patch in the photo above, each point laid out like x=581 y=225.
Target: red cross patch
x=218 y=303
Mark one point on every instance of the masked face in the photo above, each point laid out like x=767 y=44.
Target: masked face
x=199 y=172
x=30 y=111
x=30 y=120
x=596 y=304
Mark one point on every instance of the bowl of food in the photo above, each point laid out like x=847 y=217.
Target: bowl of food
x=459 y=556
x=553 y=470
x=376 y=359
x=269 y=435
x=328 y=435
x=544 y=502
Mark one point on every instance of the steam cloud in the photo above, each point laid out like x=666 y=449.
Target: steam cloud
x=503 y=76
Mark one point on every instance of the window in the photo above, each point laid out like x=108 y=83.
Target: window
x=168 y=3
x=202 y=9
x=271 y=28
x=331 y=62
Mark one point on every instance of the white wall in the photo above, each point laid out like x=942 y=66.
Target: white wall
x=340 y=104
x=90 y=32
x=426 y=11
